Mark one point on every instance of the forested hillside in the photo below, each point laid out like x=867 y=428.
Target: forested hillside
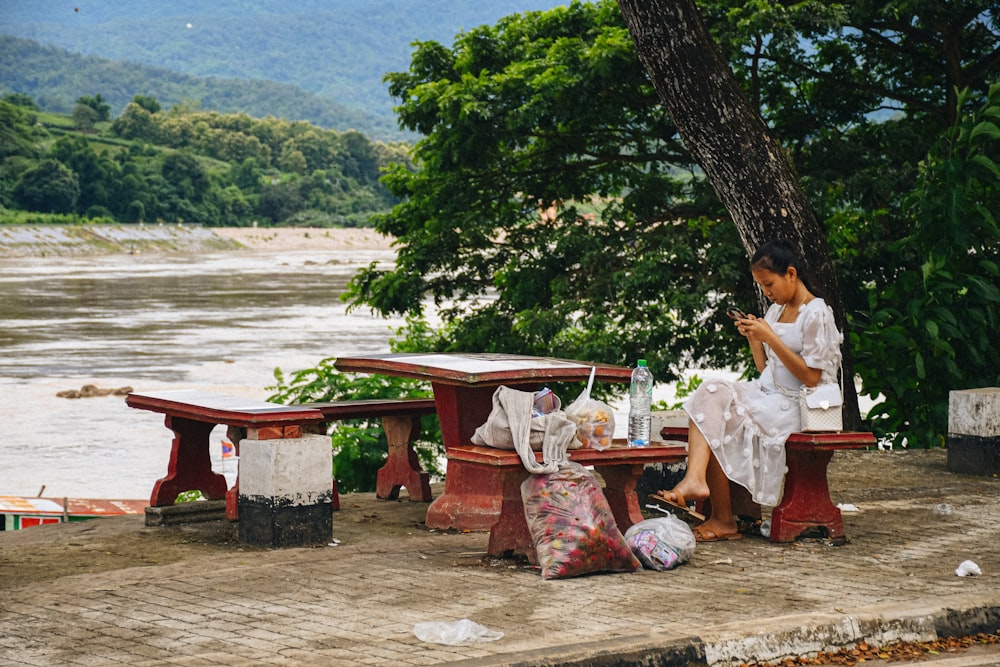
x=337 y=51
x=184 y=165
x=56 y=78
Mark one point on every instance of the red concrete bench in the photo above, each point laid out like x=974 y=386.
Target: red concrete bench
x=192 y=415
x=620 y=468
x=805 y=501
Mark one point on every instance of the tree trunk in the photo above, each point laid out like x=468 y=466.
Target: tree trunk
x=745 y=165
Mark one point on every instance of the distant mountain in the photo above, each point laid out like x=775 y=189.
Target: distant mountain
x=334 y=49
x=56 y=78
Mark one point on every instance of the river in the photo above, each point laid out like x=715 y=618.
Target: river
x=220 y=321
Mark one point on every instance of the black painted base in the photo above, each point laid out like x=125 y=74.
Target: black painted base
x=974 y=455
x=267 y=522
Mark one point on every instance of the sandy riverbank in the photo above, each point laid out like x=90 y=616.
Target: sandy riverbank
x=67 y=240
x=300 y=238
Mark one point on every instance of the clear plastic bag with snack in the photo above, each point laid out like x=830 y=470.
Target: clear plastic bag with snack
x=595 y=420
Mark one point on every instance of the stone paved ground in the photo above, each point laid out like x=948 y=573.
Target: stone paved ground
x=115 y=592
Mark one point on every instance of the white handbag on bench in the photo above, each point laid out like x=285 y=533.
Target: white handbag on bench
x=821 y=408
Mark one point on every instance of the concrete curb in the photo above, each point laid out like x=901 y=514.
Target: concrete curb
x=632 y=651
x=786 y=636
x=797 y=635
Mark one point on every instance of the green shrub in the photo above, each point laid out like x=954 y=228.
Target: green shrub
x=934 y=328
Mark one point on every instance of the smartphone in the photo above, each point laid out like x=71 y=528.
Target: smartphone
x=736 y=313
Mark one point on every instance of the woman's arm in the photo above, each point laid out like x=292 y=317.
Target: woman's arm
x=795 y=364
x=759 y=333
x=759 y=354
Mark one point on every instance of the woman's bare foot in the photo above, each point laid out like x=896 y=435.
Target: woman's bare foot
x=686 y=490
x=676 y=503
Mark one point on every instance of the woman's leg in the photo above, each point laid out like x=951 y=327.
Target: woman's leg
x=722 y=521
x=703 y=479
x=694 y=485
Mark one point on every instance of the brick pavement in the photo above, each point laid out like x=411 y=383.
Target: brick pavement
x=357 y=603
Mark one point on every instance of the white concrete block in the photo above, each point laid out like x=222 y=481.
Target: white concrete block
x=300 y=470
x=974 y=412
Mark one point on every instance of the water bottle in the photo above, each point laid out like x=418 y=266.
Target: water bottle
x=640 y=397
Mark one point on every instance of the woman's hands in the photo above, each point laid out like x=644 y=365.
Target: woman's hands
x=756 y=330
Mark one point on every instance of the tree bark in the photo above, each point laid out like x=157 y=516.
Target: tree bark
x=747 y=168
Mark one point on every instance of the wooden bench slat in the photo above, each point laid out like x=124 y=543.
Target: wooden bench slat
x=206 y=406
x=375 y=407
x=825 y=440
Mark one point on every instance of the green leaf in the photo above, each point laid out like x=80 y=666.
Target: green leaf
x=985 y=130
x=986 y=163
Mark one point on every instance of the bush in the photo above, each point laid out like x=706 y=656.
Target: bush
x=933 y=329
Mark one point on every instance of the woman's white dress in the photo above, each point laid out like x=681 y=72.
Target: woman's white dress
x=746 y=423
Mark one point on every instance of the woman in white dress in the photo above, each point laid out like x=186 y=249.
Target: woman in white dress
x=737 y=430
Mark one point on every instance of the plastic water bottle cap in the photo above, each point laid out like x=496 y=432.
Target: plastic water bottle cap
x=641 y=362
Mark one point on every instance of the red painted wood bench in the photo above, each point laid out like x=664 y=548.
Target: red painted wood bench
x=498 y=489
x=192 y=414
x=805 y=501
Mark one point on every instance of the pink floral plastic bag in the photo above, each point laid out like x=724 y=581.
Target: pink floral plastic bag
x=571 y=525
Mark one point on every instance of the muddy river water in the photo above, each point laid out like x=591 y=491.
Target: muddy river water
x=218 y=322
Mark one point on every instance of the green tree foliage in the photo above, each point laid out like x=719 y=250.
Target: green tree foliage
x=97 y=175
x=84 y=118
x=21 y=100
x=185 y=175
x=102 y=109
x=148 y=103
x=934 y=327
x=202 y=167
x=135 y=122
x=550 y=175
x=858 y=93
x=17 y=132
x=552 y=208
x=48 y=187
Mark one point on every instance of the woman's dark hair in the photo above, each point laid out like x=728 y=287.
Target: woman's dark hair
x=778 y=257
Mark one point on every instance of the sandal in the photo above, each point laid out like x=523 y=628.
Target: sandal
x=677 y=507
x=702 y=534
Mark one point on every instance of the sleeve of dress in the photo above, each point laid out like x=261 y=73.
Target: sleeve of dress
x=821 y=340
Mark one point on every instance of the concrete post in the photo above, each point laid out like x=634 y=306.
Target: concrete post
x=286 y=491
x=974 y=431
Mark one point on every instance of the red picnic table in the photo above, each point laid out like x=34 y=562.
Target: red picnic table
x=463 y=387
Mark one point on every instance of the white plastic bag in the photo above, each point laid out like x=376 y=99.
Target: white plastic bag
x=968 y=568
x=595 y=420
x=455 y=633
x=661 y=543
